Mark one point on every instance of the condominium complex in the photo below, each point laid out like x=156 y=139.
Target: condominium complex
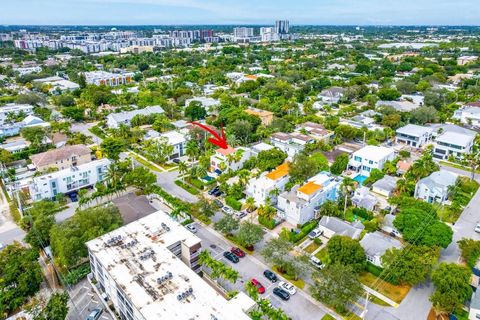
x=282 y=26
x=453 y=144
x=114 y=120
x=469 y=114
x=148 y=270
x=242 y=32
x=68 y=180
x=107 y=78
x=62 y=158
x=302 y=203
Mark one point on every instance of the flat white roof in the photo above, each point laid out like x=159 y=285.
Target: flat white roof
x=375 y=153
x=174 y=137
x=455 y=138
x=414 y=130
x=137 y=268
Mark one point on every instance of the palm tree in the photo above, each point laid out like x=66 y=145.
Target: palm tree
x=243 y=176
x=201 y=172
x=273 y=194
x=251 y=290
x=250 y=204
x=267 y=211
x=192 y=150
x=182 y=168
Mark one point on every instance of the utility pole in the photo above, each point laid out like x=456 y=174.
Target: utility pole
x=365 y=310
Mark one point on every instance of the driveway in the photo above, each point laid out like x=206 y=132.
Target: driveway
x=83 y=299
x=83 y=127
x=9 y=230
x=133 y=207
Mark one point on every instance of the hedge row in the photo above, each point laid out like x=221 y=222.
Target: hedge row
x=235 y=204
x=267 y=223
x=304 y=231
x=187 y=187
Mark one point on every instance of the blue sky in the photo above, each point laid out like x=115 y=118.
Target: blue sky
x=131 y=12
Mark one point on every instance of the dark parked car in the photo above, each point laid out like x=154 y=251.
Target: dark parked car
x=238 y=252
x=73 y=197
x=214 y=190
x=217 y=193
x=282 y=294
x=218 y=203
x=270 y=276
x=95 y=314
x=230 y=256
x=176 y=160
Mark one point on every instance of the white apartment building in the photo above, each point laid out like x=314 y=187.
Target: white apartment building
x=414 y=135
x=262 y=188
x=148 y=270
x=469 y=114
x=229 y=159
x=302 y=203
x=114 y=120
x=290 y=143
x=242 y=32
x=368 y=158
x=68 y=180
x=15 y=109
x=107 y=78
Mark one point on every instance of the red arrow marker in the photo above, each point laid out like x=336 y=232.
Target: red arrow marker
x=218 y=140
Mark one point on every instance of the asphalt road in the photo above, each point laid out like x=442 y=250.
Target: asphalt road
x=298 y=307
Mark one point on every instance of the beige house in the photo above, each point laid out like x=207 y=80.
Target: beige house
x=264 y=115
x=62 y=158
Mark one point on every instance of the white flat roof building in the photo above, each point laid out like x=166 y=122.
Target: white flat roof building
x=145 y=270
x=414 y=135
x=369 y=157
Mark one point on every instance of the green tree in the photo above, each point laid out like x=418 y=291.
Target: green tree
x=68 y=239
x=227 y=224
x=248 y=234
x=158 y=150
x=35 y=135
x=5 y=156
x=410 y=265
x=195 y=111
x=20 y=275
x=340 y=164
x=270 y=159
x=388 y=94
x=141 y=178
x=56 y=308
x=452 y=287
x=421 y=227
x=337 y=285
x=112 y=147
x=346 y=251
x=302 y=168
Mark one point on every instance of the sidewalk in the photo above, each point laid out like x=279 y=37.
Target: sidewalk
x=381 y=296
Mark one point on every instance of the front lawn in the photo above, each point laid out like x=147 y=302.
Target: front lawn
x=322 y=255
x=299 y=283
x=189 y=188
x=391 y=291
x=312 y=247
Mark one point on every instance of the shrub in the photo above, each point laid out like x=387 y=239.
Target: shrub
x=373 y=269
x=235 y=204
x=317 y=241
x=187 y=187
x=267 y=223
x=304 y=231
x=197 y=183
x=75 y=275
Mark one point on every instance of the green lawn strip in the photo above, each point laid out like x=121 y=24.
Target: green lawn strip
x=187 y=187
x=145 y=163
x=458 y=166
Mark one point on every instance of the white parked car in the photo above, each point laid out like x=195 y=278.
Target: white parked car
x=315 y=233
x=316 y=262
x=192 y=228
x=477 y=227
x=290 y=288
x=240 y=214
x=227 y=210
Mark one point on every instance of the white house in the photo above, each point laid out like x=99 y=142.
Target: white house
x=376 y=244
x=13 y=108
x=68 y=180
x=385 y=186
x=388 y=226
x=290 y=143
x=414 y=135
x=368 y=158
x=434 y=188
x=261 y=188
x=469 y=114
x=114 y=120
x=303 y=202
x=57 y=83
x=334 y=226
x=230 y=158
x=453 y=144
x=107 y=78
x=331 y=95
x=206 y=102
x=177 y=140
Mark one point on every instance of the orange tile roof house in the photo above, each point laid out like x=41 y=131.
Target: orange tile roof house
x=230 y=158
x=261 y=188
x=301 y=204
x=62 y=158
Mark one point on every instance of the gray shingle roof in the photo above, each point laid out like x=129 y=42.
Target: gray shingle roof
x=377 y=243
x=341 y=227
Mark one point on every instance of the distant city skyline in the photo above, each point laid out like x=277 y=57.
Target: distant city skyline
x=167 y=12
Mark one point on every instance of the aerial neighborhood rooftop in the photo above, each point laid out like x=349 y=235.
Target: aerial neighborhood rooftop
x=213 y=172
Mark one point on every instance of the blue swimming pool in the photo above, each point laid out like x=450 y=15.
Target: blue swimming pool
x=360 y=178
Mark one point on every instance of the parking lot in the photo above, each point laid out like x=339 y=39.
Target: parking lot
x=298 y=307
x=83 y=299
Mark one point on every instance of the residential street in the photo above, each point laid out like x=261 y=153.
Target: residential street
x=9 y=231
